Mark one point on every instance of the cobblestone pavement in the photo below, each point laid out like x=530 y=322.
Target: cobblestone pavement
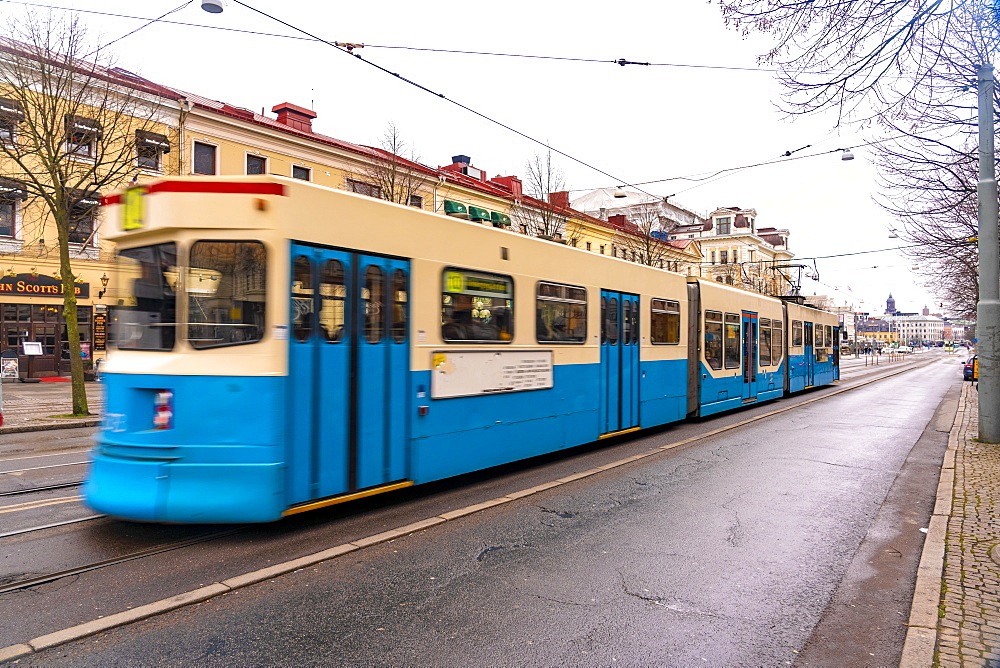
x=955 y=619
x=32 y=406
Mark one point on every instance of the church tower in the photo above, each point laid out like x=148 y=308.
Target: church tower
x=890 y=305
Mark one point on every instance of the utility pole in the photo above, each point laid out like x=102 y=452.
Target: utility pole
x=988 y=308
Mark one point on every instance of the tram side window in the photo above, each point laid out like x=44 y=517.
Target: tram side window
x=560 y=313
x=713 y=339
x=829 y=335
x=226 y=288
x=373 y=299
x=764 y=344
x=331 y=308
x=810 y=333
x=665 y=321
x=302 y=299
x=777 y=347
x=796 y=333
x=146 y=317
x=400 y=297
x=732 y=341
x=476 y=306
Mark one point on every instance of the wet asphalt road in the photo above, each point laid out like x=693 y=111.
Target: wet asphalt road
x=724 y=553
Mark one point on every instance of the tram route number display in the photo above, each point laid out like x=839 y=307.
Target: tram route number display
x=474 y=373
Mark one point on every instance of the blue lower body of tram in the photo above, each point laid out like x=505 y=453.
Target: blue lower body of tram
x=223 y=460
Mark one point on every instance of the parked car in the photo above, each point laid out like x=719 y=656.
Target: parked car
x=969 y=370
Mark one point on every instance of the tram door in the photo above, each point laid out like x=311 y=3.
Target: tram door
x=619 y=361
x=348 y=368
x=809 y=351
x=749 y=355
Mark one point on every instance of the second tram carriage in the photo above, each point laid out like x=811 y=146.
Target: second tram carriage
x=281 y=346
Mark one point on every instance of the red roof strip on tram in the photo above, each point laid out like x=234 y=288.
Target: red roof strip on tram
x=229 y=187
x=223 y=187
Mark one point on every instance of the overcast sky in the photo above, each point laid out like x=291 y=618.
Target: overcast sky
x=712 y=109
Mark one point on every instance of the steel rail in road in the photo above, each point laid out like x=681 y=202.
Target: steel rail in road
x=29 y=490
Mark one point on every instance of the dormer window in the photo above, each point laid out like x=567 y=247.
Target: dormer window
x=723 y=225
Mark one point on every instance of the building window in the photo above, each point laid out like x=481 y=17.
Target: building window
x=588 y=245
x=204 y=158
x=301 y=173
x=416 y=201
x=362 y=188
x=82 y=213
x=8 y=216
x=256 y=164
x=81 y=136
x=723 y=257
x=10 y=115
x=149 y=149
x=11 y=192
x=602 y=250
x=712 y=257
x=723 y=225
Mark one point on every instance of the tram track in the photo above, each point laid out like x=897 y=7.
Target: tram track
x=46 y=488
x=139 y=554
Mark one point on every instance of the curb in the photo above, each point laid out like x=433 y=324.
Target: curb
x=921 y=636
x=73 y=424
x=201 y=594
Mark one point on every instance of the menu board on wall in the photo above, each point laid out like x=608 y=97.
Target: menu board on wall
x=100 y=331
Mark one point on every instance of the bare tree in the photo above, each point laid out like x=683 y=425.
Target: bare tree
x=911 y=66
x=866 y=58
x=542 y=178
x=642 y=235
x=391 y=174
x=69 y=129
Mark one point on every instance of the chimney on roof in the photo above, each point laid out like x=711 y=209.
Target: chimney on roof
x=461 y=158
x=560 y=199
x=511 y=183
x=294 y=116
x=618 y=220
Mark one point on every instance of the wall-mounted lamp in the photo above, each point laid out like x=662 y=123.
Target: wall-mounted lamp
x=57 y=275
x=104 y=285
x=11 y=272
x=34 y=273
x=846 y=155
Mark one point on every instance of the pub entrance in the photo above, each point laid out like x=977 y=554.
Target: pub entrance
x=43 y=323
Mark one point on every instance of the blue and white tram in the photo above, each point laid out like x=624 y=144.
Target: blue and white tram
x=280 y=346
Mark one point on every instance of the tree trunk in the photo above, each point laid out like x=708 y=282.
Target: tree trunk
x=72 y=329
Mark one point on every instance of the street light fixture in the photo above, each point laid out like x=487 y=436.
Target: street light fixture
x=104 y=285
x=213 y=6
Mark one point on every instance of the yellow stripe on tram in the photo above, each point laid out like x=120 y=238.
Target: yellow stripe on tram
x=30 y=505
x=294 y=510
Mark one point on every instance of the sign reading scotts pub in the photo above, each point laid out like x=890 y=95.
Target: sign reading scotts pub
x=38 y=286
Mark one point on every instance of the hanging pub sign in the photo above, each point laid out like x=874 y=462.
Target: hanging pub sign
x=38 y=286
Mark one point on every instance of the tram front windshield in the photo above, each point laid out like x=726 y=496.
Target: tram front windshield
x=222 y=292
x=146 y=315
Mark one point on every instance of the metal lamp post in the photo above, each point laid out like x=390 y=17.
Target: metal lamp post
x=988 y=308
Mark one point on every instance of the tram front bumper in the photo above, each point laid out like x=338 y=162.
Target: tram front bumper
x=166 y=491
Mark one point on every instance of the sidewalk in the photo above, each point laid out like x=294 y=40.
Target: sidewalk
x=955 y=617
x=31 y=406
